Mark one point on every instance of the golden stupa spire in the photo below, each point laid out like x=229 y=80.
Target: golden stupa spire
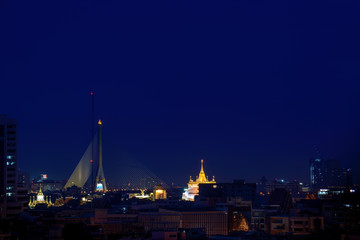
x=202 y=177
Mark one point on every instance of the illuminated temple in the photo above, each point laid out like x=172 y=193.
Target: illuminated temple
x=193 y=186
x=43 y=200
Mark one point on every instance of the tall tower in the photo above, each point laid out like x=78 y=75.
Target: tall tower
x=100 y=177
x=316 y=173
x=8 y=164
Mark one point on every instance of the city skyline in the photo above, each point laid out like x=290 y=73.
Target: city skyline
x=250 y=88
x=193 y=169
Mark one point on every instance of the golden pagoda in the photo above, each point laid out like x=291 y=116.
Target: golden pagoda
x=40 y=199
x=193 y=186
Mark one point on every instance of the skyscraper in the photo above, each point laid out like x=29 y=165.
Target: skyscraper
x=316 y=173
x=8 y=164
x=329 y=174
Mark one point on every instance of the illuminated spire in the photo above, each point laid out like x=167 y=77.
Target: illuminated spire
x=202 y=176
x=193 y=186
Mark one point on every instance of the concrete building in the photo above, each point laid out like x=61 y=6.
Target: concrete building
x=279 y=225
x=316 y=173
x=259 y=218
x=329 y=174
x=214 y=222
x=293 y=187
x=305 y=225
x=297 y=225
x=8 y=167
x=159 y=221
x=231 y=193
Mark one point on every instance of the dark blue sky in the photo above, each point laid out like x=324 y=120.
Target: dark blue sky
x=250 y=86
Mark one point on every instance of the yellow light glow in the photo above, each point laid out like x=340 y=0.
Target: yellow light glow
x=99 y=122
x=159 y=191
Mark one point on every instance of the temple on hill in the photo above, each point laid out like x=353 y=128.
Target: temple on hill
x=193 y=186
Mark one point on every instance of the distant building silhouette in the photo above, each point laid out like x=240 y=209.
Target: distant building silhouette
x=282 y=198
x=210 y=194
x=316 y=173
x=292 y=187
x=329 y=174
x=8 y=168
x=261 y=185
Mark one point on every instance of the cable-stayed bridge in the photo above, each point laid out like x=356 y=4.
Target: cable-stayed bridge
x=130 y=174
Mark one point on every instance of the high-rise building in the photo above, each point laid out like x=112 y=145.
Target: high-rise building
x=316 y=173
x=329 y=174
x=336 y=176
x=8 y=165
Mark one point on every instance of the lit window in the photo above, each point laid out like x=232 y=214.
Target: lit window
x=9 y=194
x=9 y=157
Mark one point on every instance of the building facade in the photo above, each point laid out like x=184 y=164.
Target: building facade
x=316 y=173
x=329 y=174
x=8 y=166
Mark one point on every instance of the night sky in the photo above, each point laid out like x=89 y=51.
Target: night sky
x=249 y=85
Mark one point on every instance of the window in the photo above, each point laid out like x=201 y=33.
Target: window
x=277 y=221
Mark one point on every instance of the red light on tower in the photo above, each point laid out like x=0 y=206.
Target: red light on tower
x=91 y=161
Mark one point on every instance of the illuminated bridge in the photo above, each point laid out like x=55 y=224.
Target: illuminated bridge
x=126 y=174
